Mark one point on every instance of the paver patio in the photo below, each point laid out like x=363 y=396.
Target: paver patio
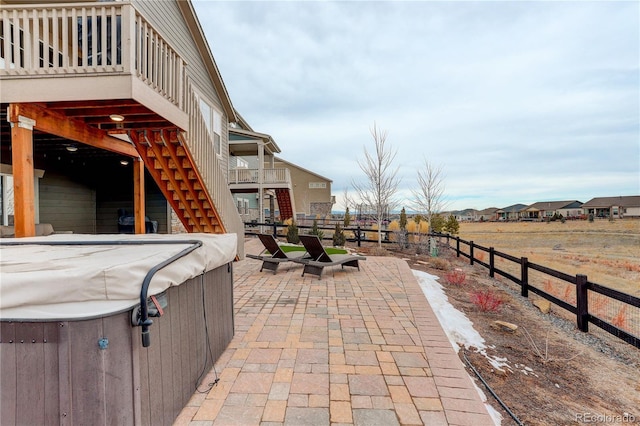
x=355 y=347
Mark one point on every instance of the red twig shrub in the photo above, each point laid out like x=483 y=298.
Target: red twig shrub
x=486 y=300
x=455 y=277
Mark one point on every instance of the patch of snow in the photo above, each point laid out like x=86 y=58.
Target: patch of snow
x=459 y=329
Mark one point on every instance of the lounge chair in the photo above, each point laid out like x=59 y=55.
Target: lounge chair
x=272 y=255
x=318 y=257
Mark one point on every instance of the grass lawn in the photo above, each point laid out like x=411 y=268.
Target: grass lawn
x=329 y=250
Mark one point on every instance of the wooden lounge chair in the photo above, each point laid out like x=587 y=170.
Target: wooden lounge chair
x=318 y=257
x=272 y=255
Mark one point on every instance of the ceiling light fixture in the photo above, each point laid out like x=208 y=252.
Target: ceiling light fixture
x=124 y=162
x=71 y=148
x=116 y=117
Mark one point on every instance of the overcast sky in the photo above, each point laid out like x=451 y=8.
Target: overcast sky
x=517 y=101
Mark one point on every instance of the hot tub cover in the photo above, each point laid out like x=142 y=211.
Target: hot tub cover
x=43 y=282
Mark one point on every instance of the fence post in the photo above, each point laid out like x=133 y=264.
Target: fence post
x=471 y=252
x=491 y=262
x=582 y=303
x=358 y=235
x=457 y=246
x=524 y=277
x=275 y=230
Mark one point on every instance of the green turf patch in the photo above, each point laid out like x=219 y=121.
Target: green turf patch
x=329 y=250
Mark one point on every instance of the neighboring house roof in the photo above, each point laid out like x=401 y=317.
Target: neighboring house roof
x=207 y=57
x=242 y=134
x=280 y=160
x=606 y=202
x=488 y=211
x=553 y=205
x=513 y=208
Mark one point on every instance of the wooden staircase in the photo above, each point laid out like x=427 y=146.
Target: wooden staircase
x=175 y=173
x=285 y=205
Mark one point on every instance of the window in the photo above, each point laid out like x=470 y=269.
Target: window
x=213 y=121
x=317 y=185
x=6 y=195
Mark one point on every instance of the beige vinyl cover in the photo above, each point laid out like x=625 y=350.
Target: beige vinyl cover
x=40 y=282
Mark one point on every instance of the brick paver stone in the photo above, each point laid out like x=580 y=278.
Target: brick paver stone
x=360 y=348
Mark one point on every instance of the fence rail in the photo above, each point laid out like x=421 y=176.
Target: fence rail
x=622 y=320
x=611 y=310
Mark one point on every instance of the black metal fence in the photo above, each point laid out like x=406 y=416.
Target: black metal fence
x=615 y=312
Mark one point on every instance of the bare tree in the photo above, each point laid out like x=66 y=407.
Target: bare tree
x=429 y=197
x=378 y=191
x=347 y=201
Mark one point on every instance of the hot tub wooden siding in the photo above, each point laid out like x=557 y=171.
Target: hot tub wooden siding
x=56 y=372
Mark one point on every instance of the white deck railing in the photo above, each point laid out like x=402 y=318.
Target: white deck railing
x=201 y=146
x=251 y=176
x=88 y=39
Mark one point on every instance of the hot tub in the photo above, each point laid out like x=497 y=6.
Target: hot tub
x=78 y=346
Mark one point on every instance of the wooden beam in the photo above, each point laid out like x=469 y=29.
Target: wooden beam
x=52 y=122
x=24 y=218
x=138 y=196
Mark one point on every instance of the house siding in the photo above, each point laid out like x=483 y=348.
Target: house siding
x=310 y=201
x=67 y=205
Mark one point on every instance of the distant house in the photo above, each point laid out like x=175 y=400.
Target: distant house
x=547 y=209
x=513 y=212
x=488 y=214
x=613 y=207
x=466 y=215
x=254 y=180
x=311 y=191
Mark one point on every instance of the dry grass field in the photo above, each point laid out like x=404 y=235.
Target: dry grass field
x=608 y=253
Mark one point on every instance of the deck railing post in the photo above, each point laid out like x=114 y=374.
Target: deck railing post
x=582 y=303
x=358 y=235
x=457 y=246
x=275 y=230
x=524 y=277
x=471 y=252
x=491 y=262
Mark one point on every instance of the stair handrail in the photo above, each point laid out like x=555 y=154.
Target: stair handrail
x=200 y=145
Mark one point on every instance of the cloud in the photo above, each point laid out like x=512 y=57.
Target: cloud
x=518 y=101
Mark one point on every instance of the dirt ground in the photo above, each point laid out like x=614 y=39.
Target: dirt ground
x=553 y=373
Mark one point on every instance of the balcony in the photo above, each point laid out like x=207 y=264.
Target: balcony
x=249 y=180
x=89 y=52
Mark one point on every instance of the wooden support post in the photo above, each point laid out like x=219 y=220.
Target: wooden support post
x=492 y=261
x=524 y=277
x=471 y=252
x=582 y=303
x=24 y=218
x=138 y=196
x=457 y=246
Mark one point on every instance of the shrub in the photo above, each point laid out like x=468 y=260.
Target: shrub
x=315 y=230
x=456 y=277
x=292 y=233
x=401 y=238
x=403 y=219
x=439 y=263
x=347 y=218
x=437 y=223
x=339 y=238
x=451 y=225
x=486 y=300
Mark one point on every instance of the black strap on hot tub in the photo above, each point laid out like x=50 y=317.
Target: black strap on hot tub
x=144 y=321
